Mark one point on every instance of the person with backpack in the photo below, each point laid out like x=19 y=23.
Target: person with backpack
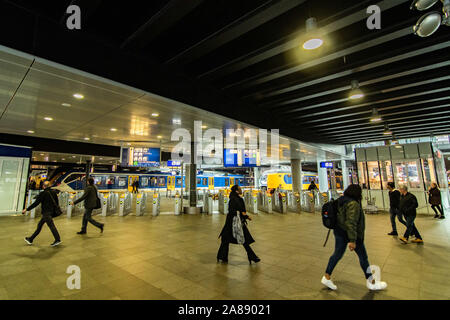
x=346 y=217
x=91 y=202
x=434 y=198
x=48 y=199
x=235 y=229
x=394 y=202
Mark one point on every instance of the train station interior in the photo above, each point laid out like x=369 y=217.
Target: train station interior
x=168 y=107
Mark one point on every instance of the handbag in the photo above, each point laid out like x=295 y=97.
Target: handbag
x=57 y=209
x=238 y=232
x=98 y=204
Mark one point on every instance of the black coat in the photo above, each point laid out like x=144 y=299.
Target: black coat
x=45 y=200
x=408 y=204
x=89 y=197
x=434 y=197
x=236 y=205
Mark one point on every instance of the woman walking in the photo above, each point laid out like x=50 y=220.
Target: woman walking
x=350 y=230
x=434 y=198
x=236 y=209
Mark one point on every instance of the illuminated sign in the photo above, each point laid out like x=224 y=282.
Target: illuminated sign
x=241 y=158
x=171 y=163
x=140 y=157
x=328 y=165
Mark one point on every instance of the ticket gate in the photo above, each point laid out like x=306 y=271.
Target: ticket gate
x=307 y=202
x=265 y=202
x=141 y=204
x=177 y=205
x=223 y=203
x=323 y=198
x=252 y=201
x=71 y=209
x=32 y=194
x=156 y=204
x=104 y=201
x=281 y=204
x=125 y=201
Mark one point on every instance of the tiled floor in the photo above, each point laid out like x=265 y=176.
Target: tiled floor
x=171 y=257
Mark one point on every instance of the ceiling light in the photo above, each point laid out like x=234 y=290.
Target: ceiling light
x=66 y=104
x=113 y=129
x=430 y=22
x=386 y=131
x=30 y=131
x=356 y=92
x=313 y=40
x=78 y=96
x=63 y=159
x=87 y=139
x=204 y=127
x=155 y=115
x=375 y=117
x=176 y=121
x=159 y=137
x=48 y=119
x=74 y=157
x=42 y=154
x=422 y=5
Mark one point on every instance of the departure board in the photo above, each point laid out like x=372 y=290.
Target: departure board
x=141 y=157
x=241 y=158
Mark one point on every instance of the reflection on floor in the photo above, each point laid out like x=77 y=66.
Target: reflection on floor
x=171 y=257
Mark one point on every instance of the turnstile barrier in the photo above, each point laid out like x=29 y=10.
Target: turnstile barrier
x=125 y=204
x=141 y=203
x=156 y=204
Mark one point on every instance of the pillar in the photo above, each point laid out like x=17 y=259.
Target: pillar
x=323 y=177
x=88 y=171
x=297 y=175
x=345 y=180
x=256 y=176
x=192 y=172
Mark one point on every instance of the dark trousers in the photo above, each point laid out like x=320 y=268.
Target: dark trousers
x=411 y=228
x=223 y=251
x=340 y=247
x=396 y=213
x=135 y=189
x=46 y=219
x=87 y=217
x=439 y=208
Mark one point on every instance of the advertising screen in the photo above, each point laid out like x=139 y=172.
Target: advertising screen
x=141 y=157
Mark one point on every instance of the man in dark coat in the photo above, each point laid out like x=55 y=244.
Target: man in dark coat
x=408 y=205
x=236 y=205
x=48 y=199
x=90 y=202
x=394 y=202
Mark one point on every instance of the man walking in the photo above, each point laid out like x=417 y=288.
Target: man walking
x=408 y=205
x=48 y=199
x=90 y=203
x=394 y=201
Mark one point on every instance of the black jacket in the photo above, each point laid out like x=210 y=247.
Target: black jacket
x=235 y=206
x=45 y=200
x=408 y=204
x=394 y=199
x=434 y=197
x=89 y=197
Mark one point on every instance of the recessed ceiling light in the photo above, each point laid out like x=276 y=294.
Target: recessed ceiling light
x=66 y=104
x=155 y=114
x=159 y=137
x=204 y=127
x=78 y=96
x=63 y=159
x=42 y=154
x=30 y=131
x=113 y=129
x=48 y=119
x=73 y=156
x=87 y=139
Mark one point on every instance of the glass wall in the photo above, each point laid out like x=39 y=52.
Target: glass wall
x=387 y=173
x=429 y=172
x=362 y=170
x=13 y=181
x=374 y=175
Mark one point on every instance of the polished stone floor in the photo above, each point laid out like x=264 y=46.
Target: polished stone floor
x=174 y=257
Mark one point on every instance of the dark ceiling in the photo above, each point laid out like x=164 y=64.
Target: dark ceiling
x=243 y=59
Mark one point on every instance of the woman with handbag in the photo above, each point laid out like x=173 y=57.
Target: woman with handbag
x=434 y=198
x=48 y=199
x=235 y=229
x=91 y=202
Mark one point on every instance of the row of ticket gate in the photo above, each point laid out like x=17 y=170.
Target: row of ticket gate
x=213 y=202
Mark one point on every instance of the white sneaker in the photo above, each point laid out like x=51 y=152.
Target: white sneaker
x=328 y=283
x=378 y=285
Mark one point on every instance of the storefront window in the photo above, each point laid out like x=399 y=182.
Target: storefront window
x=413 y=175
x=429 y=173
x=387 y=174
x=374 y=175
x=362 y=173
x=401 y=174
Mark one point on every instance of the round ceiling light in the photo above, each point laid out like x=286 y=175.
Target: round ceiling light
x=356 y=92
x=313 y=40
x=428 y=24
x=48 y=119
x=386 y=131
x=375 y=117
x=422 y=5
x=30 y=131
x=78 y=96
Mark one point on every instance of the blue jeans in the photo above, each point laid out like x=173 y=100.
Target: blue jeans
x=396 y=213
x=411 y=228
x=340 y=247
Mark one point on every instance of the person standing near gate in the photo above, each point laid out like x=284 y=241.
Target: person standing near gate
x=90 y=199
x=135 y=186
x=48 y=199
x=236 y=207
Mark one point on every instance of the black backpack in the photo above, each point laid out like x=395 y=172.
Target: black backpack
x=329 y=216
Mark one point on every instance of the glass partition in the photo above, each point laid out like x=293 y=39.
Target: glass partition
x=362 y=173
x=401 y=174
x=374 y=175
x=407 y=173
x=429 y=173
x=413 y=175
x=387 y=173
x=12 y=184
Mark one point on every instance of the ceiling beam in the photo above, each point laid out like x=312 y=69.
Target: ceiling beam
x=237 y=28
x=165 y=18
x=291 y=41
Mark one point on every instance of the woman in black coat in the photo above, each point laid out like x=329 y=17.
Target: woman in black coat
x=434 y=198
x=236 y=204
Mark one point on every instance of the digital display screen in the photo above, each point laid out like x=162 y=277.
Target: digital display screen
x=141 y=157
x=328 y=165
x=241 y=158
x=172 y=163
